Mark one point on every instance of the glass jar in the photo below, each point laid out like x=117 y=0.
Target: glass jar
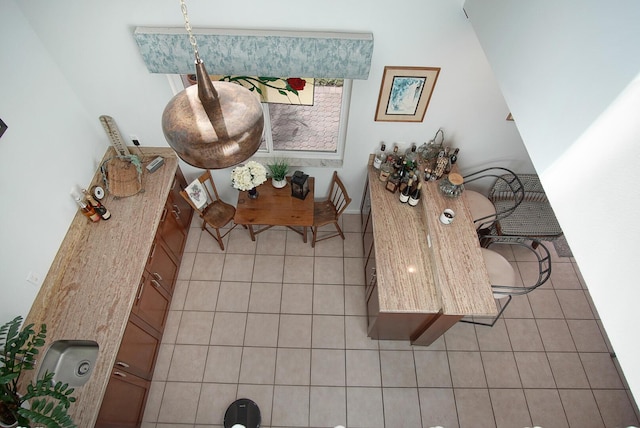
x=452 y=185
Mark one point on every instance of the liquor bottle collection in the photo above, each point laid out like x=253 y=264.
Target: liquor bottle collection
x=91 y=207
x=405 y=172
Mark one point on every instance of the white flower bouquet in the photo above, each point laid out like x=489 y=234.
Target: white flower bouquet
x=246 y=177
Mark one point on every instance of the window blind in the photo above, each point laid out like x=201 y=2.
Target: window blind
x=258 y=52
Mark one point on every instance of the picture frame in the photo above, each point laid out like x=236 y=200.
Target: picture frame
x=405 y=93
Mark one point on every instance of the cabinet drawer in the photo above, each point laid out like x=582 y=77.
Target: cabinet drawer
x=124 y=401
x=138 y=349
x=162 y=267
x=171 y=231
x=152 y=301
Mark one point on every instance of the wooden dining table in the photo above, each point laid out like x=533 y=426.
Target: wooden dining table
x=275 y=207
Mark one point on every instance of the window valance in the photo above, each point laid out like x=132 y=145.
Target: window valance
x=258 y=52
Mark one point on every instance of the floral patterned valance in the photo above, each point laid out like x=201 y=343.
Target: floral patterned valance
x=258 y=53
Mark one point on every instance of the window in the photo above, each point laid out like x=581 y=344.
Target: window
x=302 y=133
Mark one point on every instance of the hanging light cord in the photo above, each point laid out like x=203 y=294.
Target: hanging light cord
x=187 y=26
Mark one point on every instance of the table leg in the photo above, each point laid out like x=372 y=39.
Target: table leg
x=253 y=235
x=304 y=234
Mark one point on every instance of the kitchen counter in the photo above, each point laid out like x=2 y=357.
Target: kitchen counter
x=91 y=286
x=428 y=275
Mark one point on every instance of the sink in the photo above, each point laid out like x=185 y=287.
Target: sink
x=71 y=361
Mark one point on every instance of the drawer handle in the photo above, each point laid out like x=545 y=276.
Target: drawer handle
x=140 y=291
x=119 y=374
x=164 y=215
x=157 y=276
x=156 y=283
x=122 y=364
x=153 y=251
x=176 y=211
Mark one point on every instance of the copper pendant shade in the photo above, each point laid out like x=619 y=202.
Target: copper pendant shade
x=213 y=125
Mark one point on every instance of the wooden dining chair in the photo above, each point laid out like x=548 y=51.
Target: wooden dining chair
x=502 y=275
x=329 y=211
x=212 y=210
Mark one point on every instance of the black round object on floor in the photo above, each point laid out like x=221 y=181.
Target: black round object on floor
x=242 y=412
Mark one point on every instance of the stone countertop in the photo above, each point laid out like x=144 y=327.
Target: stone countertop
x=404 y=272
x=449 y=276
x=91 y=286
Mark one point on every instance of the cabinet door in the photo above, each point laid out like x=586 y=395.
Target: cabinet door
x=138 y=349
x=171 y=231
x=124 y=401
x=180 y=208
x=370 y=274
x=373 y=311
x=162 y=266
x=365 y=206
x=152 y=301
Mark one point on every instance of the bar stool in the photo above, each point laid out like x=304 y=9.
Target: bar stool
x=505 y=187
x=503 y=276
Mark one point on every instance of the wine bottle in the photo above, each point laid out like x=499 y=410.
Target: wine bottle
x=414 y=197
x=405 y=194
x=396 y=159
x=411 y=156
x=102 y=211
x=454 y=156
x=88 y=210
x=380 y=157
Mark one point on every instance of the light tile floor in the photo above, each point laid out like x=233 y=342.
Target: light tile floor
x=284 y=324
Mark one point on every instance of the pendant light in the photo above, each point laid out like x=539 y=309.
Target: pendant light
x=212 y=125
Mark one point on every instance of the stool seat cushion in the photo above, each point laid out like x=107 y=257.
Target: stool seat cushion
x=500 y=270
x=479 y=205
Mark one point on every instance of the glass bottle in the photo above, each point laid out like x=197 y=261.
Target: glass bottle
x=396 y=159
x=404 y=195
x=411 y=156
x=380 y=157
x=393 y=182
x=88 y=211
x=405 y=181
x=454 y=156
x=102 y=211
x=414 y=197
x=385 y=170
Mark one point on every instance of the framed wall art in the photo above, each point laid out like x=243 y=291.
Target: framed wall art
x=405 y=93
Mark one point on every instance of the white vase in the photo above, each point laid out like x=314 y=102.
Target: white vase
x=278 y=184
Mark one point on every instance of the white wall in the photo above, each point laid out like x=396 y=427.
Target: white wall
x=50 y=146
x=570 y=74
x=84 y=55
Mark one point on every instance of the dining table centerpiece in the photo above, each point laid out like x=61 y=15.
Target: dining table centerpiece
x=249 y=176
x=278 y=170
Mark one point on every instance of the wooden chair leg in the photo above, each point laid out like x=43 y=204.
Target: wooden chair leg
x=219 y=239
x=314 y=229
x=339 y=230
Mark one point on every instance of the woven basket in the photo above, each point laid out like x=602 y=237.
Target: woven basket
x=122 y=178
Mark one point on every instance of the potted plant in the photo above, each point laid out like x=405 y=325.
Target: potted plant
x=43 y=403
x=278 y=172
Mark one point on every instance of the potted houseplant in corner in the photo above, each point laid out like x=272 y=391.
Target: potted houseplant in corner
x=43 y=403
x=278 y=172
